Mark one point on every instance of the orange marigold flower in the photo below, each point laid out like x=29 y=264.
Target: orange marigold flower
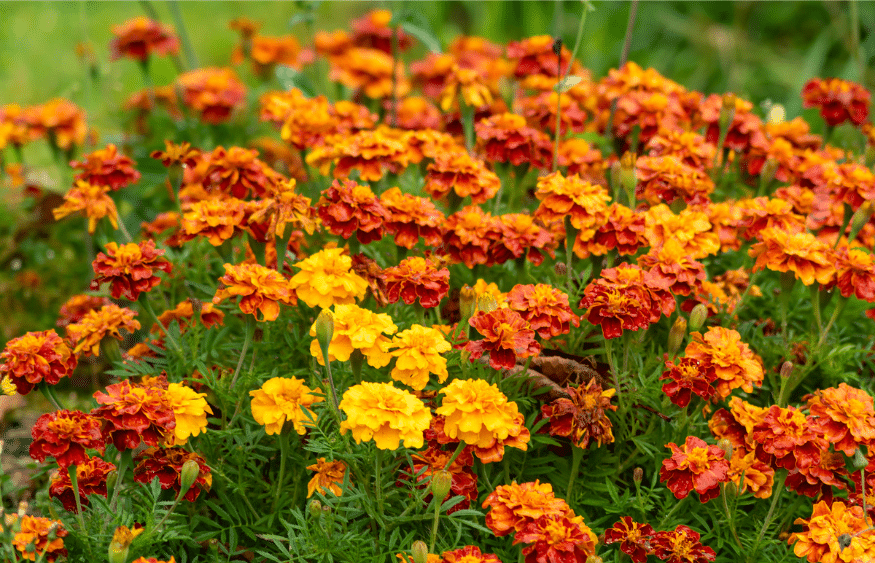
x=688 y=376
x=91 y=478
x=134 y=413
x=414 y=278
x=571 y=196
x=77 y=306
x=92 y=200
x=760 y=213
x=385 y=414
x=540 y=111
x=348 y=208
x=369 y=71
x=239 y=172
x=98 y=324
x=180 y=154
x=282 y=400
x=617 y=228
x=184 y=312
x=733 y=361
x=418 y=355
x=139 y=37
x=106 y=168
x=833 y=535
x=62 y=121
x=325 y=280
x=512 y=507
x=373 y=30
x=648 y=113
x=369 y=152
x=786 y=438
x=260 y=288
x=746 y=129
x=32 y=541
x=415 y=112
x=410 y=218
x=152 y=559
x=479 y=414
x=506 y=138
x=557 y=537
x=690 y=227
x=809 y=258
x=357 y=329
x=65 y=435
x=850 y=182
x=681 y=545
x=666 y=178
x=758 y=476
x=626 y=298
x=36 y=357
x=844 y=416
x=216 y=218
x=129 y=269
x=213 y=92
x=821 y=478
x=635 y=538
x=688 y=147
x=469 y=234
x=267 y=52
x=535 y=55
x=544 y=307
x=697 y=466
x=580 y=158
x=582 y=417
x=839 y=100
x=167 y=464
x=506 y=336
x=469 y=554
x=467 y=83
x=671 y=264
x=522 y=237
x=329 y=477
x=462 y=174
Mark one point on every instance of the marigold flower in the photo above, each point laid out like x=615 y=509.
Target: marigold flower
x=139 y=37
x=385 y=414
x=33 y=539
x=183 y=313
x=666 y=178
x=93 y=201
x=414 y=278
x=329 y=477
x=466 y=84
x=507 y=138
x=512 y=507
x=544 y=307
x=822 y=542
x=239 y=172
x=134 y=413
x=357 y=329
x=758 y=476
x=617 y=228
x=347 y=208
x=760 y=213
x=410 y=218
x=77 y=306
x=839 y=100
x=91 y=478
x=582 y=417
x=535 y=55
x=36 y=357
x=688 y=376
x=213 y=92
x=557 y=537
x=540 y=112
x=786 y=438
x=129 y=268
x=325 y=280
x=369 y=152
x=152 y=559
x=97 y=324
x=480 y=415
x=733 y=361
x=65 y=435
x=281 y=400
x=697 y=466
x=522 y=236
x=821 y=478
x=506 y=336
x=469 y=554
x=373 y=30
x=217 y=218
x=688 y=147
x=671 y=264
x=855 y=273
x=369 y=71
x=415 y=113
x=635 y=538
x=690 y=227
x=681 y=545
x=743 y=132
x=62 y=121
x=267 y=52
x=260 y=288
x=464 y=175
x=469 y=234
x=106 y=168
x=418 y=351
x=844 y=416
x=570 y=196
x=580 y=158
x=190 y=409
x=167 y=464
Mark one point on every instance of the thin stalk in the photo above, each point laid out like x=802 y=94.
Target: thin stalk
x=378 y=480
x=576 y=457
x=247 y=338
x=123 y=463
x=74 y=483
x=609 y=351
x=855 y=41
x=730 y=518
x=815 y=305
x=624 y=56
x=467 y=124
x=434 y=526
x=835 y=315
x=49 y=393
x=456 y=453
x=769 y=515
x=570 y=237
x=190 y=57
x=284 y=453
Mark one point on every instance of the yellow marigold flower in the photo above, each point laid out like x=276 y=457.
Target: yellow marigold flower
x=329 y=477
x=190 y=409
x=479 y=414
x=93 y=200
x=326 y=280
x=95 y=325
x=419 y=352
x=802 y=253
x=261 y=289
x=820 y=542
x=385 y=414
x=357 y=329
x=690 y=228
x=284 y=399
x=759 y=477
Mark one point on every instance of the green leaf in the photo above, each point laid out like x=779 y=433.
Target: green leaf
x=427 y=39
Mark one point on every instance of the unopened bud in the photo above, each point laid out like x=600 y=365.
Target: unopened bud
x=859 y=460
x=560 y=269
x=467 y=301
x=727 y=111
x=557 y=46
x=786 y=369
x=315 y=508
x=767 y=174
x=615 y=176
x=22 y=509
x=324 y=329
x=676 y=336
x=725 y=445
x=356 y=361
x=121 y=542
x=629 y=175
x=593 y=559
x=441 y=482
x=730 y=489
x=487 y=303
x=188 y=475
x=638 y=475
x=419 y=551
x=111 y=479
x=698 y=316
x=860 y=218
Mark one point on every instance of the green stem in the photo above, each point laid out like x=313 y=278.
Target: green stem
x=434 y=526
x=846 y=220
x=467 y=124
x=335 y=404
x=815 y=305
x=49 y=393
x=190 y=57
x=835 y=315
x=456 y=453
x=570 y=237
x=144 y=302
x=74 y=482
x=576 y=457
x=378 y=480
x=247 y=338
x=124 y=461
x=730 y=517
x=609 y=351
x=284 y=453
x=776 y=494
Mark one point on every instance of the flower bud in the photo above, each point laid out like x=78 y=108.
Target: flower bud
x=111 y=479
x=638 y=475
x=730 y=489
x=725 y=445
x=615 y=176
x=487 y=303
x=560 y=269
x=786 y=369
x=727 y=111
x=676 y=336
x=467 y=301
x=356 y=361
x=188 y=475
x=859 y=460
x=22 y=509
x=419 y=551
x=860 y=218
x=629 y=176
x=315 y=508
x=593 y=559
x=324 y=329
x=767 y=174
x=698 y=316
x=441 y=482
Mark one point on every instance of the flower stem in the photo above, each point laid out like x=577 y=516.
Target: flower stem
x=74 y=482
x=147 y=307
x=730 y=517
x=467 y=124
x=250 y=329
x=456 y=453
x=576 y=457
x=378 y=480
x=49 y=393
x=835 y=315
x=284 y=453
x=434 y=526
x=815 y=305
x=124 y=461
x=776 y=494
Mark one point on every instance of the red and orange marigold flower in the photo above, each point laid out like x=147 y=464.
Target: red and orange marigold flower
x=786 y=437
x=92 y=200
x=681 y=545
x=557 y=537
x=469 y=234
x=507 y=138
x=411 y=217
x=512 y=507
x=36 y=357
x=130 y=268
x=635 y=538
x=167 y=465
x=348 y=208
x=260 y=289
x=734 y=363
x=469 y=554
x=855 y=273
x=238 y=172
x=139 y=37
x=329 y=477
x=417 y=278
x=506 y=337
x=65 y=435
x=521 y=237
x=839 y=100
x=808 y=257
x=688 y=376
x=460 y=173
x=561 y=196
x=98 y=324
x=133 y=414
x=697 y=466
x=544 y=307
x=216 y=218
x=844 y=416
x=106 y=167
x=582 y=416
x=213 y=92
x=91 y=478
